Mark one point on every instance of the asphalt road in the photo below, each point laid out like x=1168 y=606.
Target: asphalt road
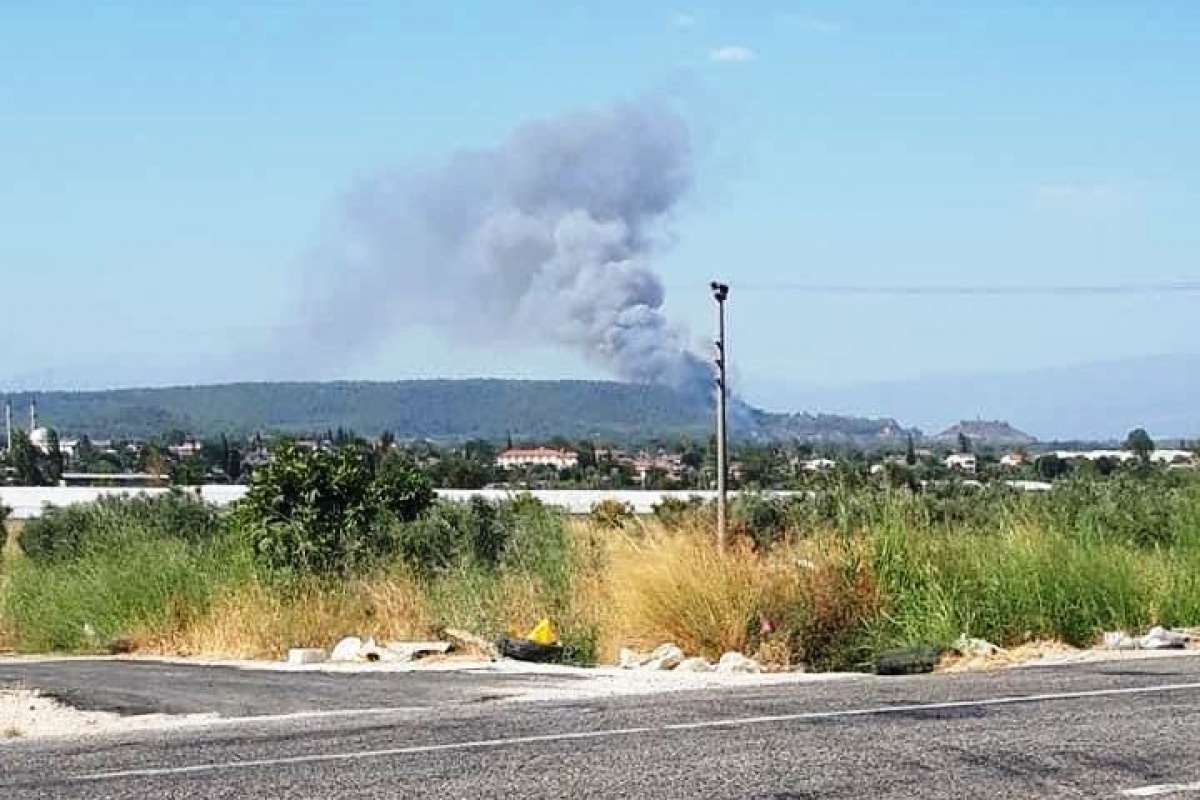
x=1120 y=729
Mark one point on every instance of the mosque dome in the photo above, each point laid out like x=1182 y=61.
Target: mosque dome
x=40 y=438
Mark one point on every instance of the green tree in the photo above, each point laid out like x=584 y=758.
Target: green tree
x=51 y=460
x=1140 y=444
x=23 y=458
x=329 y=512
x=910 y=452
x=1051 y=467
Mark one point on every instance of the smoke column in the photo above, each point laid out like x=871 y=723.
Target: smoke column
x=547 y=237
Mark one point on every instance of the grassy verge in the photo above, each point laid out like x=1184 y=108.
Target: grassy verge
x=830 y=584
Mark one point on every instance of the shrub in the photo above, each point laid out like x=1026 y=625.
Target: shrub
x=62 y=534
x=674 y=512
x=450 y=533
x=611 y=513
x=328 y=512
x=762 y=518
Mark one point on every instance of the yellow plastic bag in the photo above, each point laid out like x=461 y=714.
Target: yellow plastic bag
x=542 y=633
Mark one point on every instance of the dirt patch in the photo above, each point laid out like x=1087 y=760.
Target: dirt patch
x=1002 y=659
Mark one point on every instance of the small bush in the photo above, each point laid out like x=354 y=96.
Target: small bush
x=761 y=518
x=611 y=513
x=450 y=533
x=675 y=513
x=63 y=534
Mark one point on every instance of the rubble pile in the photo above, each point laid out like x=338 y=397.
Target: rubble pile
x=669 y=657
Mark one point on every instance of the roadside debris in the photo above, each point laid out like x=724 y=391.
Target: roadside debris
x=734 y=662
x=465 y=640
x=352 y=648
x=969 y=647
x=631 y=659
x=347 y=649
x=664 y=657
x=669 y=657
x=306 y=655
x=526 y=650
x=543 y=633
x=540 y=645
x=970 y=655
x=907 y=661
x=1157 y=638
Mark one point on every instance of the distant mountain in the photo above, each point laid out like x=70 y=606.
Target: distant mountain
x=434 y=409
x=1098 y=401
x=834 y=428
x=986 y=432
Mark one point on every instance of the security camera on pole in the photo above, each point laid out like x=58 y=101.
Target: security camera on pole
x=720 y=293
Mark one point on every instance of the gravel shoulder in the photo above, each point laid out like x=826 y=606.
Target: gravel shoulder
x=81 y=696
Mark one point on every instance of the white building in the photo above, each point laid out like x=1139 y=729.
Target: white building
x=538 y=457
x=186 y=450
x=1182 y=457
x=1013 y=460
x=963 y=462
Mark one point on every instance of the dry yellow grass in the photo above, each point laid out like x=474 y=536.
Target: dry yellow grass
x=800 y=602
x=259 y=621
x=8 y=547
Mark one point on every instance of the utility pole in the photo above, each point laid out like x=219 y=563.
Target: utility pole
x=720 y=293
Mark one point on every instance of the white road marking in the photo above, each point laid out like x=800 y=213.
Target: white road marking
x=733 y=722
x=1161 y=789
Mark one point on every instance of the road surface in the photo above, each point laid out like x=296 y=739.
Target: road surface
x=1116 y=729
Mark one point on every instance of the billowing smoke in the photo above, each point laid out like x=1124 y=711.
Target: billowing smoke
x=548 y=236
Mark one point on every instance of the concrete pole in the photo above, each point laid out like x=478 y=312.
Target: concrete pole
x=8 y=424
x=720 y=293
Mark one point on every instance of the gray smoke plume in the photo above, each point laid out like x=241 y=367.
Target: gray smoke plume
x=548 y=236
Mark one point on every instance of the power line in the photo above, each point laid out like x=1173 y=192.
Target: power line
x=998 y=290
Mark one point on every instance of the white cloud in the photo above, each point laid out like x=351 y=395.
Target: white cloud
x=732 y=52
x=684 y=21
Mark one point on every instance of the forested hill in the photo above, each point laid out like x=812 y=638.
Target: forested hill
x=436 y=409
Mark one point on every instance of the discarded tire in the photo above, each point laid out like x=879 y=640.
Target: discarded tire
x=908 y=661
x=525 y=650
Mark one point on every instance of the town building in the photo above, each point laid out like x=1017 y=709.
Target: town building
x=1013 y=460
x=537 y=457
x=962 y=462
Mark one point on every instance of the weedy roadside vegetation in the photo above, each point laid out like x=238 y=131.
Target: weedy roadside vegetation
x=328 y=544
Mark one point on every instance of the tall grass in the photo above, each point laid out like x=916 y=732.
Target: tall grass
x=829 y=580
x=139 y=587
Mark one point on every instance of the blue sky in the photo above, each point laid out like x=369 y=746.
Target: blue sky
x=165 y=168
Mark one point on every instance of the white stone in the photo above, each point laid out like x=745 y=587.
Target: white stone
x=347 y=649
x=631 y=659
x=306 y=655
x=666 y=656
x=695 y=664
x=734 y=662
x=975 y=647
x=1119 y=640
x=1159 y=638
